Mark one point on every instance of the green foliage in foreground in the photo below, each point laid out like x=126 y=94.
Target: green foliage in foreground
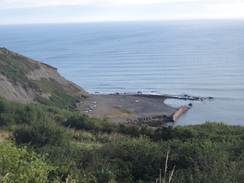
x=90 y=150
x=19 y=165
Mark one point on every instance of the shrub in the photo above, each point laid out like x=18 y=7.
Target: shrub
x=138 y=158
x=131 y=130
x=18 y=165
x=104 y=176
x=40 y=133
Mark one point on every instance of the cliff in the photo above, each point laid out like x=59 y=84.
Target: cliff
x=28 y=81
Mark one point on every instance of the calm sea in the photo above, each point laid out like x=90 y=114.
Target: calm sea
x=198 y=58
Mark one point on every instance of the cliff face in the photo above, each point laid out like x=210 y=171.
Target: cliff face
x=28 y=81
x=15 y=91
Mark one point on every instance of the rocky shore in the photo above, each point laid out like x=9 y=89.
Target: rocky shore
x=157 y=121
x=28 y=81
x=136 y=109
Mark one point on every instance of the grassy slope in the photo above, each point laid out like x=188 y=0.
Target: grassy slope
x=94 y=150
x=16 y=67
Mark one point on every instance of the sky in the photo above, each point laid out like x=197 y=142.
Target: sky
x=65 y=11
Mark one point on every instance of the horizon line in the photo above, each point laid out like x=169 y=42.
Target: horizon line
x=117 y=21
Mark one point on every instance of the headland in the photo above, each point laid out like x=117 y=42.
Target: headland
x=28 y=81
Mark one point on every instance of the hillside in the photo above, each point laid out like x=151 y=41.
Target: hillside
x=28 y=81
x=40 y=143
x=50 y=145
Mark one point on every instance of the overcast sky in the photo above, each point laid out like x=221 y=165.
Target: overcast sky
x=57 y=11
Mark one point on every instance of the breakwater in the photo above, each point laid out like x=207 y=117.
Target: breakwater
x=159 y=120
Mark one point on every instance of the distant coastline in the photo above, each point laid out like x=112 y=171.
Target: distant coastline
x=144 y=108
x=124 y=108
x=199 y=58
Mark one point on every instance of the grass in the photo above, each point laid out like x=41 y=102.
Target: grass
x=87 y=140
x=123 y=110
x=4 y=135
x=118 y=112
x=16 y=68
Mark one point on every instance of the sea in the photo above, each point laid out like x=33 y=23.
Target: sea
x=202 y=58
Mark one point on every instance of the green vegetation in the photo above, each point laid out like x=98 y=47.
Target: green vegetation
x=123 y=110
x=58 y=99
x=16 y=67
x=19 y=165
x=43 y=143
x=53 y=145
x=120 y=113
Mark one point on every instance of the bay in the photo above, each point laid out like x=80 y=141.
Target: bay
x=199 y=58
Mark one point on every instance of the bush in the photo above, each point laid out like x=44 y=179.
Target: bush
x=18 y=165
x=171 y=132
x=134 y=159
x=104 y=176
x=132 y=130
x=40 y=133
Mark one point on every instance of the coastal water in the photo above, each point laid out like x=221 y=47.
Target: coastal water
x=199 y=58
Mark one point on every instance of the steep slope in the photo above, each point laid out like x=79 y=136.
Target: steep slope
x=28 y=81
